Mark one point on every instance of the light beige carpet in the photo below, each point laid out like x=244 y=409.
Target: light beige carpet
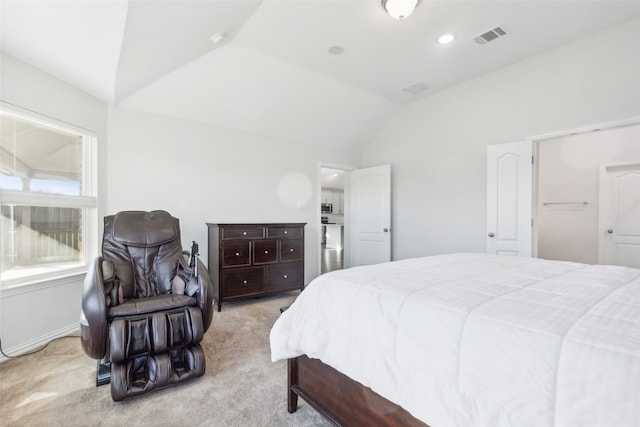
x=241 y=386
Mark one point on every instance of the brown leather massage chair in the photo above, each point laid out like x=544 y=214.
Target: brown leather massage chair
x=146 y=305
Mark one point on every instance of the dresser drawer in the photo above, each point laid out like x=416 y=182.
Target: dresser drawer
x=265 y=251
x=243 y=281
x=285 y=276
x=284 y=232
x=243 y=233
x=235 y=253
x=291 y=249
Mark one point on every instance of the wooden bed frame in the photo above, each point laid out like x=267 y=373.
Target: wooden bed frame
x=343 y=401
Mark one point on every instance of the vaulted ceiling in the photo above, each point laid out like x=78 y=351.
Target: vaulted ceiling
x=327 y=72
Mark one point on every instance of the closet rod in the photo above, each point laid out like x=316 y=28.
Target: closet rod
x=565 y=203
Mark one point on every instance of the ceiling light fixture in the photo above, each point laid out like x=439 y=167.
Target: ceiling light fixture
x=446 y=38
x=399 y=9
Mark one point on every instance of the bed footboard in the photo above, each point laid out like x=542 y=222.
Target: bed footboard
x=340 y=399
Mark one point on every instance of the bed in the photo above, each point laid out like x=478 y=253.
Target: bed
x=467 y=340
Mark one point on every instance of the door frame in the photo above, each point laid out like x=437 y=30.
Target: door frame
x=346 y=244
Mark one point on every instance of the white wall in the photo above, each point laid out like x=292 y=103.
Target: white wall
x=205 y=174
x=32 y=315
x=569 y=171
x=437 y=146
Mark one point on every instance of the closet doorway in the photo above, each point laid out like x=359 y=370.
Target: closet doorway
x=588 y=196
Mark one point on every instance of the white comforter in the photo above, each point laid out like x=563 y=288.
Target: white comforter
x=478 y=340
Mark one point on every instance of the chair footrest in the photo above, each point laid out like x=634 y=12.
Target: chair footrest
x=146 y=373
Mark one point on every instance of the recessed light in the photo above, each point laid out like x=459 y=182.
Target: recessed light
x=336 y=50
x=446 y=38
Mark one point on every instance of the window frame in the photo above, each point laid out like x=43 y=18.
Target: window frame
x=87 y=201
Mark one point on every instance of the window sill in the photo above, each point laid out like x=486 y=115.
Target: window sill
x=43 y=278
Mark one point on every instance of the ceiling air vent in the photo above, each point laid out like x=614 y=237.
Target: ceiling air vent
x=416 y=88
x=490 y=35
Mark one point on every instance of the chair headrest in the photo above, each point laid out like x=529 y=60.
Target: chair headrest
x=145 y=229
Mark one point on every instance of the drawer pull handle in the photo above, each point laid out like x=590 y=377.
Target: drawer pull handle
x=286 y=232
x=237 y=253
x=266 y=252
x=285 y=276
x=290 y=249
x=244 y=233
x=244 y=282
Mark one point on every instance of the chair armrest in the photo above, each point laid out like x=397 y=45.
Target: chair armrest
x=205 y=295
x=203 y=292
x=93 y=320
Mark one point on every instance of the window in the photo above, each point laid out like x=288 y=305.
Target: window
x=47 y=197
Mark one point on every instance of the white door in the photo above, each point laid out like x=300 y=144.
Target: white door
x=619 y=231
x=509 y=196
x=371 y=215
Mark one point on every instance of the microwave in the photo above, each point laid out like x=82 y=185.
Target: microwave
x=326 y=208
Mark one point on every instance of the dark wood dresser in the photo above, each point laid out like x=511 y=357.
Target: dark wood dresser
x=249 y=260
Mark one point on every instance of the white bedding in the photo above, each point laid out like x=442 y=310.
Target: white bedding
x=479 y=340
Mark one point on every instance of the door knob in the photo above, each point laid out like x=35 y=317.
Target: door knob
x=386 y=230
x=610 y=231
x=492 y=235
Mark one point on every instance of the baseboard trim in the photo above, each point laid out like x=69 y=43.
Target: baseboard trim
x=36 y=343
